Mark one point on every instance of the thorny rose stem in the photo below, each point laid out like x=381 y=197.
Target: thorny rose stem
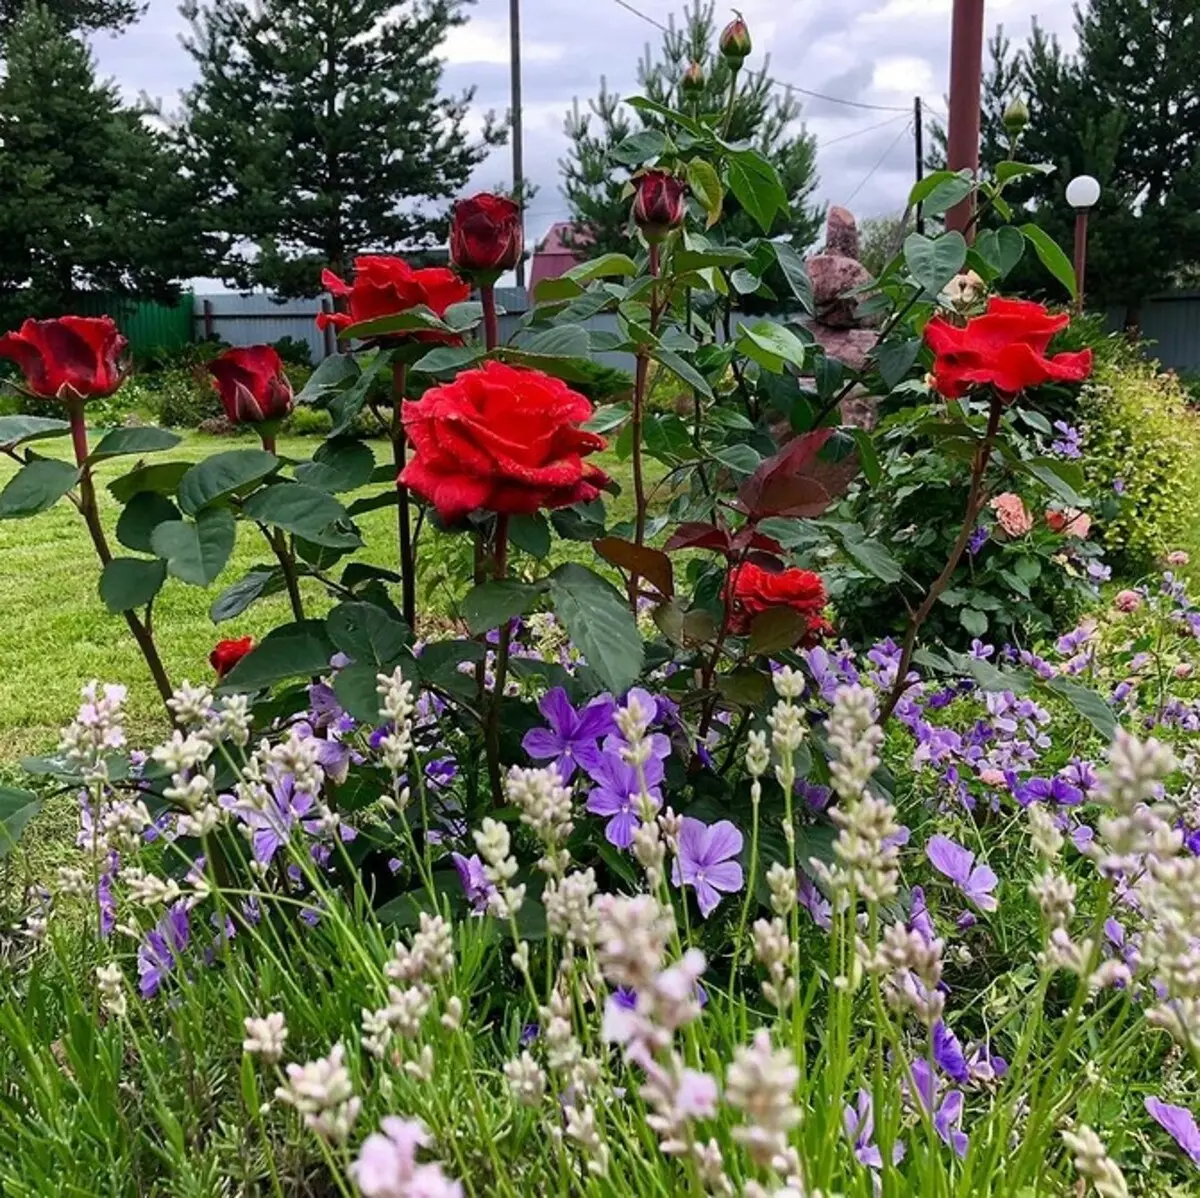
x=91 y=517
x=408 y=564
x=492 y=730
x=983 y=454
x=639 y=407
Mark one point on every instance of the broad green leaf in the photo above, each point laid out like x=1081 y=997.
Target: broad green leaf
x=448 y=359
x=412 y=320
x=741 y=459
x=530 y=534
x=1052 y=257
x=869 y=459
x=161 y=477
x=553 y=291
x=366 y=633
x=1001 y=248
x=122 y=442
x=771 y=345
x=776 y=629
x=874 y=558
x=607 y=266
x=973 y=620
x=130 y=582
x=1014 y=170
x=1089 y=704
x=141 y=516
x=924 y=188
x=639 y=147
x=290 y=651
x=35 y=487
x=796 y=273
x=17 y=808
x=238 y=596
x=340 y=464
x=706 y=187
x=345 y=406
x=683 y=370
x=609 y=417
x=1065 y=479
x=560 y=341
x=946 y=194
x=895 y=359
x=296 y=508
x=933 y=262
x=196 y=552
x=355 y=687
x=580 y=521
x=464 y=315
x=333 y=374
x=755 y=183
x=222 y=475
x=491 y=604
x=15 y=430
x=599 y=623
x=744 y=282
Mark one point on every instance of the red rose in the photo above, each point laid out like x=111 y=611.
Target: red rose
x=485 y=235
x=252 y=384
x=73 y=357
x=753 y=590
x=387 y=286
x=503 y=439
x=659 y=203
x=227 y=654
x=1005 y=348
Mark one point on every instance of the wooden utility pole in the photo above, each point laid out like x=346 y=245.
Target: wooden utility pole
x=919 y=148
x=518 y=156
x=966 y=76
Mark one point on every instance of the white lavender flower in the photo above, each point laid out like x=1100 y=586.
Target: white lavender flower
x=431 y=955
x=545 y=806
x=500 y=867
x=192 y=705
x=568 y=903
x=526 y=1080
x=110 y=982
x=1094 y=1164
x=633 y=937
x=761 y=1083
x=323 y=1093
x=96 y=731
x=265 y=1037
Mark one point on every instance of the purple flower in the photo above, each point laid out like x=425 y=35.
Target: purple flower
x=958 y=864
x=273 y=823
x=1119 y=486
x=706 y=863
x=157 y=954
x=474 y=881
x=947 y=1122
x=982 y=651
x=918 y=916
x=948 y=1053
x=1048 y=790
x=813 y=794
x=979 y=538
x=1069 y=442
x=983 y=1067
x=860 y=1131
x=815 y=903
x=617 y=795
x=571 y=738
x=106 y=904
x=1181 y=1124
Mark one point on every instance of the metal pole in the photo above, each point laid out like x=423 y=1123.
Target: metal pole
x=966 y=76
x=514 y=41
x=919 y=148
x=1081 y=236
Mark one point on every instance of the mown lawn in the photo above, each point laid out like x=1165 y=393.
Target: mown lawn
x=57 y=634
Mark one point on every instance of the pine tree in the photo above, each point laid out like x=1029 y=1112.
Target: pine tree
x=90 y=194
x=594 y=180
x=82 y=16
x=318 y=132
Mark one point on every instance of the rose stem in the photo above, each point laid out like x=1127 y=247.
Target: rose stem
x=639 y=404
x=278 y=542
x=268 y=441
x=491 y=338
x=983 y=453
x=493 y=715
x=91 y=517
x=408 y=564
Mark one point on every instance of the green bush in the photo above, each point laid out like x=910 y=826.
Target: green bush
x=1141 y=441
x=294 y=351
x=308 y=422
x=182 y=397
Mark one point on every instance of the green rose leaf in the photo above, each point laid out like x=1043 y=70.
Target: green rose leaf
x=17 y=808
x=1089 y=704
x=37 y=486
x=706 y=187
x=368 y=634
x=130 y=582
x=796 y=273
x=144 y=512
x=598 y=621
x=341 y=464
x=161 y=477
x=238 y=596
x=491 y=604
x=755 y=184
x=946 y=194
x=771 y=345
x=448 y=359
x=1001 y=248
x=777 y=629
x=1052 y=257
x=413 y=320
x=296 y=508
x=683 y=370
x=196 y=552
x=933 y=262
x=332 y=375
x=290 y=651
x=122 y=442
x=607 y=266
x=530 y=534
x=222 y=475
x=15 y=430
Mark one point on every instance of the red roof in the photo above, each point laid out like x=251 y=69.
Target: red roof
x=553 y=257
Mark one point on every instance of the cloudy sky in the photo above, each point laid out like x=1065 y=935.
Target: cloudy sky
x=874 y=52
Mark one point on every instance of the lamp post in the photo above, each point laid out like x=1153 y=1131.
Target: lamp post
x=1083 y=193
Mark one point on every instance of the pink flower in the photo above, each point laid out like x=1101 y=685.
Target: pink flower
x=1183 y=669
x=991 y=777
x=1070 y=521
x=1178 y=557
x=387 y=1165
x=1127 y=601
x=1012 y=514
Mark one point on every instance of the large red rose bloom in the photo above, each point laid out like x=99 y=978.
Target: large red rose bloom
x=1005 y=349
x=385 y=286
x=503 y=439
x=753 y=590
x=73 y=357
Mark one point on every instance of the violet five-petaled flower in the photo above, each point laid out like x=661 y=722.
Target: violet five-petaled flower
x=617 y=793
x=958 y=864
x=474 y=881
x=859 y=1124
x=158 y=953
x=706 y=861
x=573 y=734
x=1179 y=1122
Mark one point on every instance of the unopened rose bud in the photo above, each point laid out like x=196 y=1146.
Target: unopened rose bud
x=659 y=203
x=1016 y=117
x=485 y=236
x=735 y=42
x=692 y=84
x=252 y=385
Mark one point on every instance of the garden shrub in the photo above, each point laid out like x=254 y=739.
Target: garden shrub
x=183 y=397
x=308 y=422
x=1142 y=444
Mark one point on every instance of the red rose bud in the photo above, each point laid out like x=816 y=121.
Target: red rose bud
x=486 y=238
x=659 y=203
x=735 y=42
x=252 y=385
x=227 y=654
x=691 y=85
x=73 y=357
x=386 y=286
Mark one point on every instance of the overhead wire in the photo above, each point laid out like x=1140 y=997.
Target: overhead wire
x=882 y=158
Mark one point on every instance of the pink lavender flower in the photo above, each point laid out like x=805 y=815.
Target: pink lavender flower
x=618 y=792
x=958 y=864
x=706 y=861
x=859 y=1125
x=573 y=735
x=1180 y=1123
x=158 y=953
x=387 y=1164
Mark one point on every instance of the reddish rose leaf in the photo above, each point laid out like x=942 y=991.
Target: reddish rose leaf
x=699 y=536
x=651 y=564
x=789 y=462
x=795 y=482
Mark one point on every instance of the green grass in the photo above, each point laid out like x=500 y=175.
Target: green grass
x=57 y=634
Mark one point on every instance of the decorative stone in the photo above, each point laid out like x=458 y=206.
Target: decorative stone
x=833 y=277
x=841 y=233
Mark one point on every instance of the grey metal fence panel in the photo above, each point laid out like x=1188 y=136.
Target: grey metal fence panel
x=1172 y=323
x=255 y=319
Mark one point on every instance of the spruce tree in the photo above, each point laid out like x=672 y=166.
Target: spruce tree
x=318 y=132
x=594 y=179
x=91 y=197
x=81 y=16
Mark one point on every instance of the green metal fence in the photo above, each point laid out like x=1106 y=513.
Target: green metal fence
x=150 y=326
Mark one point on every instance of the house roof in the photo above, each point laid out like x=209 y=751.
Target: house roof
x=553 y=257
